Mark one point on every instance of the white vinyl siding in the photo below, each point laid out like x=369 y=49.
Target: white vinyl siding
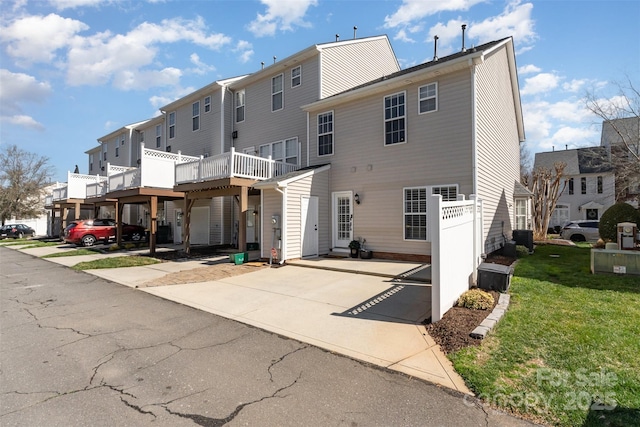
x=239 y=101
x=395 y=118
x=277 y=93
x=296 y=76
x=325 y=134
x=172 y=125
x=428 y=98
x=195 y=116
x=415 y=213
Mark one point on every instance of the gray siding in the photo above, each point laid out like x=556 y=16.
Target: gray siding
x=349 y=65
x=498 y=147
x=437 y=152
x=271 y=205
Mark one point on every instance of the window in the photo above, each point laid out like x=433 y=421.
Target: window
x=172 y=125
x=207 y=104
x=521 y=214
x=276 y=93
x=394 y=119
x=158 y=136
x=415 y=213
x=240 y=106
x=296 y=76
x=195 y=116
x=325 y=134
x=90 y=162
x=449 y=193
x=117 y=151
x=281 y=151
x=104 y=156
x=599 y=189
x=428 y=98
x=570 y=186
x=122 y=140
x=583 y=185
x=141 y=136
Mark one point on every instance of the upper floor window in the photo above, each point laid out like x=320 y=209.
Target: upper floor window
x=172 y=125
x=325 y=134
x=91 y=162
x=277 y=93
x=117 y=151
x=296 y=76
x=428 y=98
x=158 y=136
x=240 y=106
x=141 y=136
x=415 y=213
x=122 y=140
x=583 y=185
x=282 y=151
x=570 y=186
x=104 y=156
x=207 y=104
x=394 y=118
x=195 y=116
x=599 y=185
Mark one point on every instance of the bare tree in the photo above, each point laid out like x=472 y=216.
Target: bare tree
x=525 y=164
x=23 y=177
x=545 y=184
x=620 y=115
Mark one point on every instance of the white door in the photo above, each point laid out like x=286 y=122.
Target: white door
x=309 y=223
x=200 y=225
x=342 y=219
x=177 y=227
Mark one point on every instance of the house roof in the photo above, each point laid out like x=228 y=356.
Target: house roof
x=195 y=95
x=284 y=180
x=120 y=130
x=298 y=57
x=520 y=190
x=579 y=161
x=430 y=70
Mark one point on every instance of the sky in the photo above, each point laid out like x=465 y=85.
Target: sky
x=72 y=71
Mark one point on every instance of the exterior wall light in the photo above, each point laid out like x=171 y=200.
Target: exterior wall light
x=357 y=198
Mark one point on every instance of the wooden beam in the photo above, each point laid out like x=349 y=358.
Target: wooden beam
x=215 y=184
x=154 y=224
x=209 y=194
x=119 y=213
x=242 y=226
x=76 y=210
x=186 y=224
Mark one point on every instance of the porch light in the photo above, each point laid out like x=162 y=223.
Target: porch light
x=357 y=198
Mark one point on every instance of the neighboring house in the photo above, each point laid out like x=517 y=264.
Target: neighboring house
x=379 y=151
x=590 y=183
x=625 y=158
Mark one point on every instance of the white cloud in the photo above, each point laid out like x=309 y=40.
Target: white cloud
x=414 y=10
x=201 y=68
x=72 y=4
x=574 y=137
x=98 y=59
x=528 y=69
x=245 y=49
x=403 y=37
x=542 y=82
x=17 y=89
x=53 y=33
x=514 y=21
x=281 y=15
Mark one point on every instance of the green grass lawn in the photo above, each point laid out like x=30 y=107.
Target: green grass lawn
x=116 y=262
x=75 y=252
x=568 y=349
x=29 y=244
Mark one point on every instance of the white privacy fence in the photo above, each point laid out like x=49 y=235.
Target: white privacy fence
x=76 y=186
x=456 y=246
x=229 y=165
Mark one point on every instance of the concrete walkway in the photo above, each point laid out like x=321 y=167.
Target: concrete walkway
x=364 y=309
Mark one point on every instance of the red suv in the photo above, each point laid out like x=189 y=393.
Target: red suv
x=88 y=231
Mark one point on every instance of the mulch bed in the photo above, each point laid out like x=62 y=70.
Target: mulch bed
x=451 y=332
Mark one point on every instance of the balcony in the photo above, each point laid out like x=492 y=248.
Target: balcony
x=157 y=169
x=230 y=165
x=74 y=188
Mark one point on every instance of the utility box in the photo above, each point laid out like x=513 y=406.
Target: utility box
x=494 y=277
x=524 y=238
x=627 y=232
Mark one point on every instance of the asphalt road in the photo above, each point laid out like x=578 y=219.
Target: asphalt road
x=78 y=350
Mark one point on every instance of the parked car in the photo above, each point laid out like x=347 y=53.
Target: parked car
x=16 y=231
x=87 y=232
x=581 y=231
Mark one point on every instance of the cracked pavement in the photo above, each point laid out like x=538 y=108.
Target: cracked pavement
x=79 y=350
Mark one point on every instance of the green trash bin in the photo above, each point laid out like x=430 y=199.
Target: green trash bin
x=237 y=259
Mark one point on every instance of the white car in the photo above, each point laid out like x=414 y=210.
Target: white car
x=581 y=231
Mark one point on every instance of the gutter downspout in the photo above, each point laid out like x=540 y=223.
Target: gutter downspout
x=283 y=221
x=222 y=94
x=474 y=134
x=307 y=139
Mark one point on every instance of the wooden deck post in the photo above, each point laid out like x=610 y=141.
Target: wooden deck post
x=63 y=219
x=242 y=223
x=154 y=224
x=76 y=209
x=119 y=211
x=186 y=223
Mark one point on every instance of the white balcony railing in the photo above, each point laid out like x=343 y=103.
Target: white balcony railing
x=98 y=188
x=229 y=165
x=75 y=187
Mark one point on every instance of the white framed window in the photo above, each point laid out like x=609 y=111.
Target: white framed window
x=195 y=116
x=415 y=213
x=141 y=136
x=240 y=99
x=122 y=140
x=117 y=151
x=281 y=151
x=104 y=156
x=449 y=193
x=158 y=136
x=296 y=76
x=521 y=214
x=172 y=125
x=428 y=98
x=394 y=119
x=325 y=134
x=91 y=162
x=277 y=94
x=207 y=104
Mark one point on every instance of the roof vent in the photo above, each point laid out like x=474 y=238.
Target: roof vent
x=274 y=59
x=262 y=63
x=464 y=27
x=337 y=37
x=435 y=48
x=355 y=29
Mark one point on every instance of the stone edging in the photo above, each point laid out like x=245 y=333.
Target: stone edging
x=487 y=324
